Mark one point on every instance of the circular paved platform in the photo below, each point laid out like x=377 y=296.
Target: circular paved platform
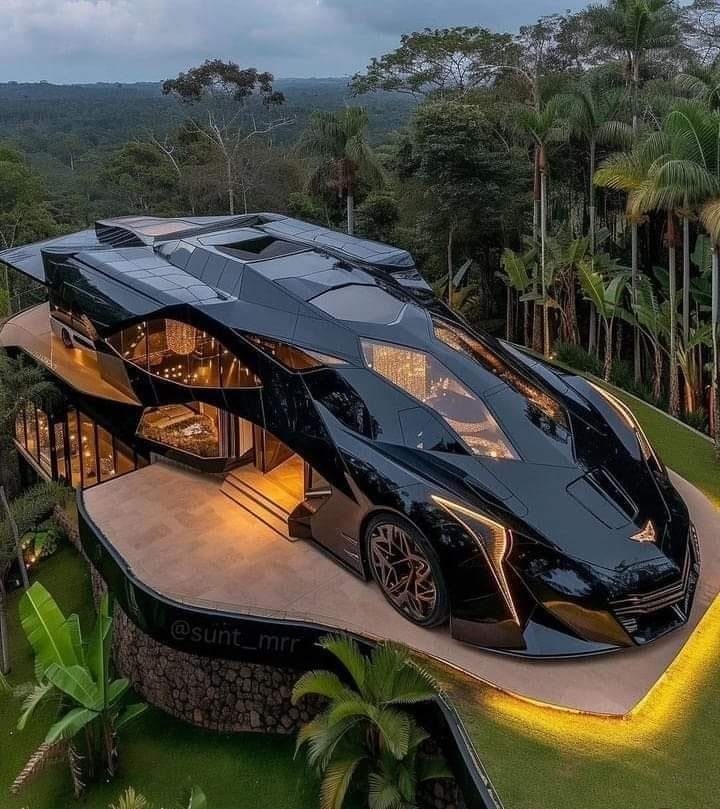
x=187 y=541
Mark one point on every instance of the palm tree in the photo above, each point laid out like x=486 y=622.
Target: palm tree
x=592 y=109
x=677 y=166
x=21 y=382
x=649 y=317
x=633 y=29
x=364 y=733
x=338 y=140
x=92 y=701
x=543 y=127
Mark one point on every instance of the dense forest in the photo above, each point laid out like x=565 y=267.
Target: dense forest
x=560 y=185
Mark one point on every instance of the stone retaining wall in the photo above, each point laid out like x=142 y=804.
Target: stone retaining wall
x=220 y=695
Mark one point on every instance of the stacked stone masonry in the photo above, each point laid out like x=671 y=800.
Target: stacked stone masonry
x=220 y=695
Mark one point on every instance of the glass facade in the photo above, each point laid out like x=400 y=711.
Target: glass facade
x=194 y=428
x=73 y=448
x=178 y=352
x=428 y=380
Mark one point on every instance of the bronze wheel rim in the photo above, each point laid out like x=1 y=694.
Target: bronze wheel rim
x=403 y=572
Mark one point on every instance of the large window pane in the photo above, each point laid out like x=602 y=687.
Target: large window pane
x=124 y=458
x=178 y=352
x=106 y=453
x=43 y=440
x=131 y=344
x=191 y=428
x=74 y=445
x=87 y=455
x=31 y=427
x=428 y=380
x=60 y=462
x=20 y=428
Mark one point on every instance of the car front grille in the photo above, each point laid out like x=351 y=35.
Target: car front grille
x=648 y=615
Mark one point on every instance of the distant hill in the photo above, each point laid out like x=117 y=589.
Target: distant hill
x=105 y=115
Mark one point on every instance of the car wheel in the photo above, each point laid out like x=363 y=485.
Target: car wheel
x=407 y=570
x=66 y=338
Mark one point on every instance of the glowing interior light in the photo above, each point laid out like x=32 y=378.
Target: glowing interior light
x=495 y=543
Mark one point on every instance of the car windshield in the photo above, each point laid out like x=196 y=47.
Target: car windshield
x=428 y=380
x=464 y=342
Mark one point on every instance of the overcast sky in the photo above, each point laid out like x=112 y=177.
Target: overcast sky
x=136 y=40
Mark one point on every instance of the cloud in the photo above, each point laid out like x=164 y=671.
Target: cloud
x=132 y=40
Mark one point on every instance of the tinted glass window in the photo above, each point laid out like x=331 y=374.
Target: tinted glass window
x=178 y=352
x=428 y=380
x=361 y=303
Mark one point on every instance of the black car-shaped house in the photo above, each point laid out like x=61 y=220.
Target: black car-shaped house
x=473 y=482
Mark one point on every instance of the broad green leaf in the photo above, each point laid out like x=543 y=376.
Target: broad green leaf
x=336 y=781
x=98 y=652
x=130 y=713
x=46 y=629
x=196 y=799
x=348 y=653
x=73 y=624
x=324 y=683
x=117 y=690
x=35 y=697
x=76 y=682
x=70 y=724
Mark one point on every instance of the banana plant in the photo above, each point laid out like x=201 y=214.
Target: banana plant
x=605 y=292
x=92 y=701
x=517 y=275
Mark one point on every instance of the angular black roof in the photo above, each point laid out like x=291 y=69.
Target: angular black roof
x=262 y=271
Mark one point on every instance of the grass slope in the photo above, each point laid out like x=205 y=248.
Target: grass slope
x=159 y=755
x=664 y=755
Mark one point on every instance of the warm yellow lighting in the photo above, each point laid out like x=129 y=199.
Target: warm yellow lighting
x=180 y=337
x=669 y=701
x=495 y=548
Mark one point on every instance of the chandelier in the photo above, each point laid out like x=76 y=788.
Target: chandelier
x=180 y=337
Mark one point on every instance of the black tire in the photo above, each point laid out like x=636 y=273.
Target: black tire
x=400 y=558
x=66 y=338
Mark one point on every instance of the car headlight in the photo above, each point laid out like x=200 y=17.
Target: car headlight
x=494 y=540
x=628 y=417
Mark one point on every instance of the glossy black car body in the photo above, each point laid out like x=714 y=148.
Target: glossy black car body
x=470 y=479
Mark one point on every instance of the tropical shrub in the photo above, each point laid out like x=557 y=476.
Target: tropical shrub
x=576 y=357
x=91 y=702
x=365 y=737
x=130 y=799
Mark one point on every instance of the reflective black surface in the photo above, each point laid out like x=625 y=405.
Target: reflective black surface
x=556 y=528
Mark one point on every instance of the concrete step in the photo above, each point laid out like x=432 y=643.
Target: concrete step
x=260 y=504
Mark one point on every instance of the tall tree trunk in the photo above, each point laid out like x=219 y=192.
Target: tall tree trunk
x=230 y=190
x=689 y=393
x=634 y=283
x=637 y=357
x=350 y=204
x=543 y=237
x=536 y=309
x=674 y=405
x=592 y=332
x=657 y=371
x=451 y=232
x=607 y=366
x=4 y=650
x=509 y=313
x=526 y=323
x=715 y=348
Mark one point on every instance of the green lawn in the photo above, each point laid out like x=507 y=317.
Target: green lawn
x=159 y=755
x=665 y=754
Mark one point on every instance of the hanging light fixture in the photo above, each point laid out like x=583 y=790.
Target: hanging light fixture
x=180 y=337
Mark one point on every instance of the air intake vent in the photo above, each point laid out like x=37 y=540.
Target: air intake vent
x=116 y=236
